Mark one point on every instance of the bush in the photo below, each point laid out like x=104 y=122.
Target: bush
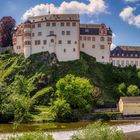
x=99 y=131
x=61 y=109
x=33 y=136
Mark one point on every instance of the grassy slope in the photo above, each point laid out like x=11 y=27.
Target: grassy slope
x=104 y=76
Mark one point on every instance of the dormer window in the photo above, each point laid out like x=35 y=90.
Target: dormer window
x=87 y=30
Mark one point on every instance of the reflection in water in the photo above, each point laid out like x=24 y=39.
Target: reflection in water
x=10 y=128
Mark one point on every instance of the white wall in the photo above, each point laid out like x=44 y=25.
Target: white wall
x=116 y=61
x=55 y=47
x=96 y=52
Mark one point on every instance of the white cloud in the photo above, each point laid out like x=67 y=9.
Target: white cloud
x=132 y=0
x=113 y=46
x=114 y=35
x=93 y=7
x=128 y=16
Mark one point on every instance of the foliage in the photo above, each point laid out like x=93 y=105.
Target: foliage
x=83 y=84
x=7 y=25
x=33 y=136
x=133 y=90
x=121 y=89
x=43 y=96
x=99 y=131
x=61 y=109
x=76 y=91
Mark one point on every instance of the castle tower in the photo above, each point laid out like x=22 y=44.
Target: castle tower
x=27 y=39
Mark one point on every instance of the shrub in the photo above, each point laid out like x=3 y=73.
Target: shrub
x=99 y=131
x=33 y=136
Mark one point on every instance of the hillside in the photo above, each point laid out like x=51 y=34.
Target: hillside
x=44 y=70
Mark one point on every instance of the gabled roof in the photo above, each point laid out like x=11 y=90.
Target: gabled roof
x=131 y=99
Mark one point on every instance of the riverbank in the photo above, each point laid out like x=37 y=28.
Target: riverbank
x=132 y=131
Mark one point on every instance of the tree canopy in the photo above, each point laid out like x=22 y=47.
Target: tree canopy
x=7 y=24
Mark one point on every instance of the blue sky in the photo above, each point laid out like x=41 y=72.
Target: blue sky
x=123 y=16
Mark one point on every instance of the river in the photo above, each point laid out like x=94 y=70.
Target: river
x=64 y=130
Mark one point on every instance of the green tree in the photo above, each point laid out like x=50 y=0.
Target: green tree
x=99 y=131
x=133 y=90
x=18 y=103
x=121 y=89
x=61 y=109
x=76 y=91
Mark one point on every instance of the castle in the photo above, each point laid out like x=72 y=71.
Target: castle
x=63 y=35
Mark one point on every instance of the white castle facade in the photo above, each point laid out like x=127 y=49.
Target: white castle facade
x=63 y=35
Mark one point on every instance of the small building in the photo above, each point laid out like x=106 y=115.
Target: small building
x=129 y=105
x=126 y=55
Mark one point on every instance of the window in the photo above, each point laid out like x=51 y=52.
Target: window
x=44 y=42
x=27 y=34
x=80 y=37
x=60 y=42
x=122 y=63
x=33 y=25
x=102 y=57
x=33 y=34
x=39 y=25
x=62 y=23
x=68 y=23
x=51 y=32
x=74 y=24
x=75 y=42
x=63 y=32
x=68 y=32
x=127 y=62
x=69 y=42
x=85 y=38
x=93 y=46
x=52 y=40
x=64 y=50
x=102 y=47
x=37 y=42
x=89 y=38
x=102 y=39
x=109 y=39
x=87 y=30
x=39 y=33
x=27 y=42
x=47 y=24
x=83 y=45
x=93 y=38
x=113 y=62
x=53 y=24
x=73 y=49
x=136 y=63
x=132 y=63
x=18 y=47
x=118 y=62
